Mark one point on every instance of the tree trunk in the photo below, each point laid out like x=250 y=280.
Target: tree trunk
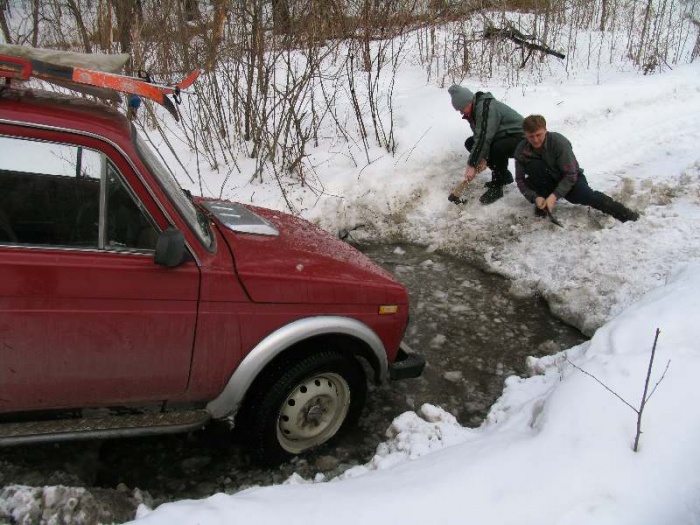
x=104 y=25
x=252 y=56
x=645 y=27
x=35 y=23
x=217 y=33
x=81 y=25
x=191 y=10
x=3 y=22
x=127 y=13
x=366 y=35
x=280 y=17
x=603 y=14
x=696 y=47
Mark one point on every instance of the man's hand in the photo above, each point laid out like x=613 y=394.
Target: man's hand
x=546 y=204
x=472 y=171
x=470 y=174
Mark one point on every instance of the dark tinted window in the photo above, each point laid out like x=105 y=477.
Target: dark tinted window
x=127 y=225
x=51 y=194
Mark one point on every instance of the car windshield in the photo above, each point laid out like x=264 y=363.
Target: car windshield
x=197 y=220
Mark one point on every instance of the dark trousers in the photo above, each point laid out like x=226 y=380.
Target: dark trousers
x=501 y=150
x=540 y=179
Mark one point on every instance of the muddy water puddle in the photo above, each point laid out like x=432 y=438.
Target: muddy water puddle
x=471 y=330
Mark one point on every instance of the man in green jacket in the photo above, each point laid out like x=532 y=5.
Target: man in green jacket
x=497 y=130
x=546 y=170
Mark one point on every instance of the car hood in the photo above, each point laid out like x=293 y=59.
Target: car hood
x=284 y=259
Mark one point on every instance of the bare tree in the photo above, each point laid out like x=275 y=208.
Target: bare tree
x=127 y=15
x=645 y=30
x=280 y=16
x=696 y=47
x=104 y=25
x=603 y=14
x=217 y=32
x=4 y=7
x=646 y=395
x=35 y=22
x=73 y=7
x=191 y=10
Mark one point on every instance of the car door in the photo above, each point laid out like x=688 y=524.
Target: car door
x=86 y=316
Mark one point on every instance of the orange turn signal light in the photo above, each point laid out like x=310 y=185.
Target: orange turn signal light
x=388 y=309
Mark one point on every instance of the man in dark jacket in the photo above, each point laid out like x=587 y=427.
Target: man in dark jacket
x=547 y=170
x=497 y=130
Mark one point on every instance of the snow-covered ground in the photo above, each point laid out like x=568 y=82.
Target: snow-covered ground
x=557 y=446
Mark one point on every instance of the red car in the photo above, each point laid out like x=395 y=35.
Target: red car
x=128 y=306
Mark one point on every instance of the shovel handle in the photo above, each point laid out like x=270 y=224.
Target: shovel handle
x=459 y=189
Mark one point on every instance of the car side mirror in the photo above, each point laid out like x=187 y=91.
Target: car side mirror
x=170 y=248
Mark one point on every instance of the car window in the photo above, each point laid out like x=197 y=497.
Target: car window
x=127 y=225
x=198 y=222
x=66 y=195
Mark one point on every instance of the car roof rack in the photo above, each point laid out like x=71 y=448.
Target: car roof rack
x=91 y=74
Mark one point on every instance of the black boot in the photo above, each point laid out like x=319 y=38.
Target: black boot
x=492 y=194
x=610 y=206
x=499 y=179
x=504 y=178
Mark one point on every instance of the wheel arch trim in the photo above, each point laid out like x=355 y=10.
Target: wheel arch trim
x=229 y=400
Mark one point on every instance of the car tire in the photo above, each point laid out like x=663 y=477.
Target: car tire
x=301 y=405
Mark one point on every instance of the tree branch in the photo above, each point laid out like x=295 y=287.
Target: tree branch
x=606 y=387
x=525 y=41
x=659 y=381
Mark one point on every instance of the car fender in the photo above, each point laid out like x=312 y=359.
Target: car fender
x=229 y=400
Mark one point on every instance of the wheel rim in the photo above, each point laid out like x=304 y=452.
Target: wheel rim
x=313 y=412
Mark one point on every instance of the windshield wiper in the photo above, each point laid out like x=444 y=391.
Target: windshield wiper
x=202 y=217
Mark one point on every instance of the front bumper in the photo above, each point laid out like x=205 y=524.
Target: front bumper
x=407 y=365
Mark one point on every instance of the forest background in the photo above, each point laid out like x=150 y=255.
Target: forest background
x=287 y=74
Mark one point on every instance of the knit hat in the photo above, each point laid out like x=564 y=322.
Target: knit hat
x=461 y=96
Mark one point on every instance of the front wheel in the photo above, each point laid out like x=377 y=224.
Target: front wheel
x=302 y=405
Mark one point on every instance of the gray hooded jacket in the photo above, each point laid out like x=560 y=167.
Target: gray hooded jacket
x=491 y=120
